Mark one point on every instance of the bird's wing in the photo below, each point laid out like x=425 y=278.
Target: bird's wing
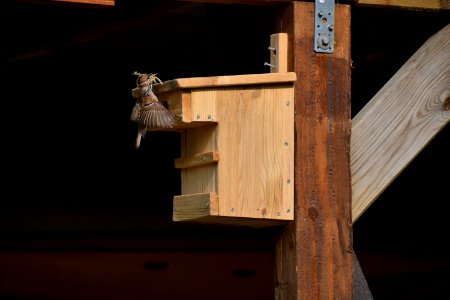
x=135 y=112
x=155 y=115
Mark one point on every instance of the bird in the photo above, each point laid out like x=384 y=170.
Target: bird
x=148 y=112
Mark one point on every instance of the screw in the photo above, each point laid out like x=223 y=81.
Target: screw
x=286 y=144
x=278 y=214
x=288 y=181
x=330 y=27
x=232 y=209
x=320 y=14
x=287 y=103
x=288 y=211
x=267 y=64
x=209 y=117
x=324 y=40
x=198 y=117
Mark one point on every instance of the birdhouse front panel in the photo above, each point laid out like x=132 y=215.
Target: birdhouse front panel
x=237 y=138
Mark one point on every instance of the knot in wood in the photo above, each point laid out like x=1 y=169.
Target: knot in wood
x=446 y=104
x=313 y=213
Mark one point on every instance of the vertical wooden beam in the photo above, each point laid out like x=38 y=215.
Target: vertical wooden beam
x=314 y=252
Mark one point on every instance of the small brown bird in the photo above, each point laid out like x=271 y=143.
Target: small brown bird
x=148 y=112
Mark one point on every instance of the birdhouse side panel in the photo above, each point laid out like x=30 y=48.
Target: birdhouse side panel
x=255 y=141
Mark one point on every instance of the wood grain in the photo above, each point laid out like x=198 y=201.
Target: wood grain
x=400 y=120
x=314 y=253
x=193 y=206
x=256 y=145
x=278 y=57
x=422 y=4
x=217 y=81
x=197 y=160
x=201 y=179
x=90 y=2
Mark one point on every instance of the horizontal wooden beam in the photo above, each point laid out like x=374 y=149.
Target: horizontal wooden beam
x=197 y=160
x=83 y=3
x=419 y=4
x=231 y=80
x=259 y=2
x=94 y=2
x=247 y=2
x=400 y=120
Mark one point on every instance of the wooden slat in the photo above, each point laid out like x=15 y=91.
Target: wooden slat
x=254 y=2
x=82 y=3
x=216 y=81
x=197 y=160
x=93 y=2
x=278 y=57
x=246 y=2
x=188 y=207
x=421 y=4
x=194 y=141
x=400 y=120
x=314 y=253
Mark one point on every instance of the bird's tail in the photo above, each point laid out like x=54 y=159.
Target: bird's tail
x=138 y=138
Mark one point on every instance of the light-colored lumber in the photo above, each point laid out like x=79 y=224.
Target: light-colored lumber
x=197 y=160
x=194 y=206
x=231 y=80
x=256 y=144
x=278 y=52
x=421 y=4
x=90 y=2
x=202 y=179
x=400 y=120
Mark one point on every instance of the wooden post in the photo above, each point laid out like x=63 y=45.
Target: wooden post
x=314 y=252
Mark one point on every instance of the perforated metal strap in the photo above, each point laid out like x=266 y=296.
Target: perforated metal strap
x=324 y=26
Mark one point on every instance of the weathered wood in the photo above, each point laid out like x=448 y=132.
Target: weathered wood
x=400 y=120
x=314 y=253
x=420 y=4
x=254 y=2
x=197 y=160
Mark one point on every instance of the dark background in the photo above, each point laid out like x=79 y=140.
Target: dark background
x=72 y=181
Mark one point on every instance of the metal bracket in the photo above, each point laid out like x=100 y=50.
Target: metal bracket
x=324 y=26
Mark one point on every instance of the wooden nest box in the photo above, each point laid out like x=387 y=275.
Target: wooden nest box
x=237 y=146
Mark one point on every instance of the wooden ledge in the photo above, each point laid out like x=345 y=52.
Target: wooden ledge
x=197 y=160
x=204 y=208
x=217 y=81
